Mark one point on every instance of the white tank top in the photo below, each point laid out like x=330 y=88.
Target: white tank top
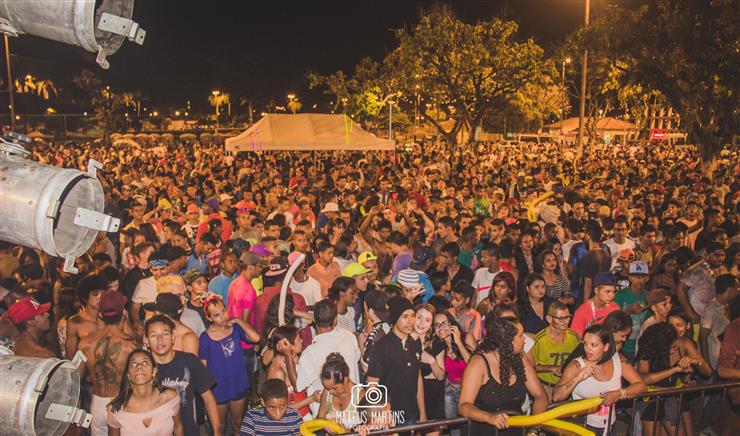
x=591 y=387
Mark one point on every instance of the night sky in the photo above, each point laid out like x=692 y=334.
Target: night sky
x=263 y=49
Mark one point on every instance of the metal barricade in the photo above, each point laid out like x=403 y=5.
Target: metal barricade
x=629 y=403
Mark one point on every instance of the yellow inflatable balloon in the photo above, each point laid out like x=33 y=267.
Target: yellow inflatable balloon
x=550 y=420
x=309 y=428
x=531 y=206
x=565 y=428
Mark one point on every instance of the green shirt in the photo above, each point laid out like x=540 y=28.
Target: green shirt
x=626 y=298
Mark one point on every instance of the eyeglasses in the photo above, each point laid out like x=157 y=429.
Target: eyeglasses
x=441 y=324
x=561 y=318
x=144 y=364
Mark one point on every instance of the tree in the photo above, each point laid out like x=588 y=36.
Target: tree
x=219 y=99
x=442 y=68
x=688 y=50
x=538 y=102
x=467 y=68
x=42 y=88
x=108 y=105
x=363 y=96
x=294 y=105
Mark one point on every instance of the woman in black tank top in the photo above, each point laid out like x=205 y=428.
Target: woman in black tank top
x=497 y=380
x=664 y=359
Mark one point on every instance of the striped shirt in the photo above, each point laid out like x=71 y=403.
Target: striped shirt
x=257 y=423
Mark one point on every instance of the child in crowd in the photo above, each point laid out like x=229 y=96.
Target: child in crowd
x=275 y=417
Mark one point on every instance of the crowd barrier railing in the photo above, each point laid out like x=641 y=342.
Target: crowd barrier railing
x=704 y=391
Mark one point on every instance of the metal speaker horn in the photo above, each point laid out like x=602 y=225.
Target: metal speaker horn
x=97 y=26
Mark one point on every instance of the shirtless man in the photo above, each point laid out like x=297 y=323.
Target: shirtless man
x=32 y=321
x=87 y=320
x=170 y=305
x=107 y=350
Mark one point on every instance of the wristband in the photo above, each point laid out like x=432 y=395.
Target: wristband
x=623 y=393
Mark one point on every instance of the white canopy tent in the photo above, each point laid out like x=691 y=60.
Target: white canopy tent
x=306 y=132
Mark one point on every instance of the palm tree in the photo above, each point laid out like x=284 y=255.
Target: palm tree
x=41 y=88
x=219 y=99
x=244 y=101
x=294 y=105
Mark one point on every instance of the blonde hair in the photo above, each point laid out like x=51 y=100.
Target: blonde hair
x=170 y=283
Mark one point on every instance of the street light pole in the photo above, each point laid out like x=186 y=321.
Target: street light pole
x=10 y=83
x=216 y=103
x=584 y=72
x=390 y=120
x=562 y=98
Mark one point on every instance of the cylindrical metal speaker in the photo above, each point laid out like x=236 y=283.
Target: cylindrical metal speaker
x=57 y=210
x=39 y=396
x=97 y=26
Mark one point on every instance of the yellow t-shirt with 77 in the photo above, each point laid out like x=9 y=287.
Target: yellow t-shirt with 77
x=552 y=353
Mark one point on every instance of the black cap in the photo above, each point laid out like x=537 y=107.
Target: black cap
x=175 y=253
x=169 y=304
x=396 y=307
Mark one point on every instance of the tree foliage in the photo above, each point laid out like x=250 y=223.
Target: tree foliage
x=688 y=50
x=466 y=68
x=108 y=106
x=442 y=69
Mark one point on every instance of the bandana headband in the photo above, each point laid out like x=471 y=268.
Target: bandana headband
x=158 y=262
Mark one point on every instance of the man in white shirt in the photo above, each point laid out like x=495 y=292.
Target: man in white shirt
x=620 y=241
x=329 y=339
x=146 y=289
x=483 y=279
x=715 y=318
x=302 y=283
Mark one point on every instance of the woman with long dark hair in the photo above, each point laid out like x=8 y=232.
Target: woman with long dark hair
x=498 y=378
x=598 y=371
x=557 y=285
x=456 y=357
x=663 y=358
x=533 y=304
x=503 y=291
x=666 y=275
x=68 y=304
x=143 y=407
x=286 y=345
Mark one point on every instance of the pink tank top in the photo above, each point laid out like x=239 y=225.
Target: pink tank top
x=455 y=369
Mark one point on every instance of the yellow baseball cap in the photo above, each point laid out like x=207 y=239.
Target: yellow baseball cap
x=355 y=269
x=366 y=256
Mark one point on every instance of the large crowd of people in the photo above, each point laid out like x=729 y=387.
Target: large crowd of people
x=248 y=294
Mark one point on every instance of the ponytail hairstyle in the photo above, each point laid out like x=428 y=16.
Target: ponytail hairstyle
x=607 y=338
x=335 y=368
x=209 y=299
x=500 y=333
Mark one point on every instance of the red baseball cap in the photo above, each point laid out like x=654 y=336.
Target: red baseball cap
x=112 y=303
x=26 y=309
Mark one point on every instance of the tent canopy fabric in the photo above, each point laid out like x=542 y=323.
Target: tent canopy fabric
x=306 y=132
x=606 y=123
